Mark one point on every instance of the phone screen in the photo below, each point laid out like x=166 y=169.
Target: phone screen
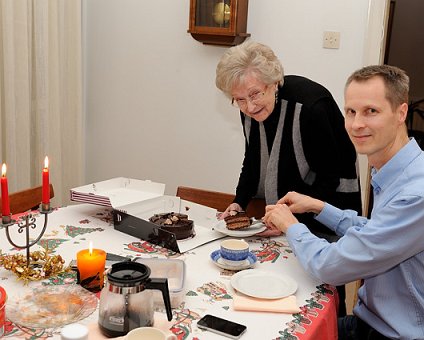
x=221 y=326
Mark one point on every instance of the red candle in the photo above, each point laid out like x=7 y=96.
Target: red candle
x=5 y=207
x=46 y=183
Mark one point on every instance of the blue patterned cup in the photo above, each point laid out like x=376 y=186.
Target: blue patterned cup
x=234 y=252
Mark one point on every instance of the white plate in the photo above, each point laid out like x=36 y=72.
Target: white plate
x=249 y=262
x=221 y=226
x=262 y=284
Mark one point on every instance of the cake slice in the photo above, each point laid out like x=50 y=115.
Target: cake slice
x=237 y=220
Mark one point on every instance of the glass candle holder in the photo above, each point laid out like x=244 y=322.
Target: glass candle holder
x=91 y=267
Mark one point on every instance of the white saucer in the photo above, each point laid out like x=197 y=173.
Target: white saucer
x=249 y=262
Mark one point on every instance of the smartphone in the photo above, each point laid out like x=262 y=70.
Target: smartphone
x=221 y=326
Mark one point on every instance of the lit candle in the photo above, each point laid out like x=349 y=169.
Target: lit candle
x=46 y=183
x=91 y=266
x=5 y=207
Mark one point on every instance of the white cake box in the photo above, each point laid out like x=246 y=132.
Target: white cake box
x=117 y=192
x=135 y=201
x=133 y=219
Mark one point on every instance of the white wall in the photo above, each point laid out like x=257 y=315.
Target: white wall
x=152 y=108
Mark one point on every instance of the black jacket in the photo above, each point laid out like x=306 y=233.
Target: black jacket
x=314 y=138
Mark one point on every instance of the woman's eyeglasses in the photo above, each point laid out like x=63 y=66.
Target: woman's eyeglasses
x=255 y=98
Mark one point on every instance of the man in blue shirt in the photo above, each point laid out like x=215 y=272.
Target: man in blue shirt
x=387 y=250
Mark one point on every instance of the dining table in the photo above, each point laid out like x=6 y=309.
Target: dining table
x=208 y=285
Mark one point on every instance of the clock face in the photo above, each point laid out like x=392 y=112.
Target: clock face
x=213 y=13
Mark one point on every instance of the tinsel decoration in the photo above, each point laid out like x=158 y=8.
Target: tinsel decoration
x=42 y=265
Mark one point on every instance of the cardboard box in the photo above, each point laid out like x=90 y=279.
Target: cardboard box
x=133 y=219
x=135 y=201
x=117 y=192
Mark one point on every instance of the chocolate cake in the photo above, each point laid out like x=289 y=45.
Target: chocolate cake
x=237 y=220
x=176 y=223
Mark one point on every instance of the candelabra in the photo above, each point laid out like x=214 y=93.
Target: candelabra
x=25 y=223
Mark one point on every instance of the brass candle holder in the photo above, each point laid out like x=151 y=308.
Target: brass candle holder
x=25 y=223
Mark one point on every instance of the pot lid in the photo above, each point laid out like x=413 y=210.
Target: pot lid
x=128 y=274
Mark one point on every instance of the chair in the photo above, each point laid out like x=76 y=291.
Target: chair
x=28 y=199
x=369 y=200
x=219 y=200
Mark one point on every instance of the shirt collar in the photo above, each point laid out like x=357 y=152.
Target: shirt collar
x=394 y=167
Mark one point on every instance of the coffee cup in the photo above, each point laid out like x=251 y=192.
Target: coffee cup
x=234 y=252
x=149 y=333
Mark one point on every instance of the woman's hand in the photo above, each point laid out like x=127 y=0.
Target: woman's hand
x=232 y=207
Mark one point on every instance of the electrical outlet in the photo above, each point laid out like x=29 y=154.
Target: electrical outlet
x=331 y=39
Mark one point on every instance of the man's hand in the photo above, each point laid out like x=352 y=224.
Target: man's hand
x=299 y=203
x=279 y=216
x=270 y=231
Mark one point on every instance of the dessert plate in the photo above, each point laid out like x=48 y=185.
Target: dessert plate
x=262 y=284
x=217 y=259
x=52 y=306
x=255 y=228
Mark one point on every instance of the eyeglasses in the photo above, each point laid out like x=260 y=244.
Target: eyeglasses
x=255 y=98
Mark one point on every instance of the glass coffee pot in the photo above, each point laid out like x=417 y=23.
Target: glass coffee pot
x=126 y=300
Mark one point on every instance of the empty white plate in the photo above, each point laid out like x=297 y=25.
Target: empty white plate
x=263 y=284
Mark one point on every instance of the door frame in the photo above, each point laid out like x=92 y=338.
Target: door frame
x=376 y=32
x=374 y=51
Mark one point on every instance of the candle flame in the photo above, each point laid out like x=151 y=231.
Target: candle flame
x=3 y=170
x=90 y=248
x=46 y=163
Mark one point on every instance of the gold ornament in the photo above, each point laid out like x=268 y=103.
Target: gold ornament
x=221 y=13
x=42 y=265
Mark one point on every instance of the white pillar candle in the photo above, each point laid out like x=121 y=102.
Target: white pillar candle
x=74 y=331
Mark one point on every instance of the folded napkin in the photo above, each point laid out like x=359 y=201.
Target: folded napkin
x=284 y=305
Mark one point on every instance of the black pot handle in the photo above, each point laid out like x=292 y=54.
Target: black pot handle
x=162 y=285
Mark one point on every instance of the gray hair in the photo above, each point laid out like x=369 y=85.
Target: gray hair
x=240 y=60
x=396 y=81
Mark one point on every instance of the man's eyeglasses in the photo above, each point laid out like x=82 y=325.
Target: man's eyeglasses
x=254 y=98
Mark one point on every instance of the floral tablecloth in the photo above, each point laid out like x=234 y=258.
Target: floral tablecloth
x=207 y=287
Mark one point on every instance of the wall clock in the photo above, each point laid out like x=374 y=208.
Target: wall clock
x=218 y=22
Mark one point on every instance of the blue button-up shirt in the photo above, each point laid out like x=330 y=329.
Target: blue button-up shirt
x=387 y=250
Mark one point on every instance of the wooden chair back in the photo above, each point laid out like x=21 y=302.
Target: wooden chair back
x=369 y=200
x=219 y=200
x=28 y=199
x=369 y=197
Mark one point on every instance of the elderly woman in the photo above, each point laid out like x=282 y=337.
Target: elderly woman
x=294 y=132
